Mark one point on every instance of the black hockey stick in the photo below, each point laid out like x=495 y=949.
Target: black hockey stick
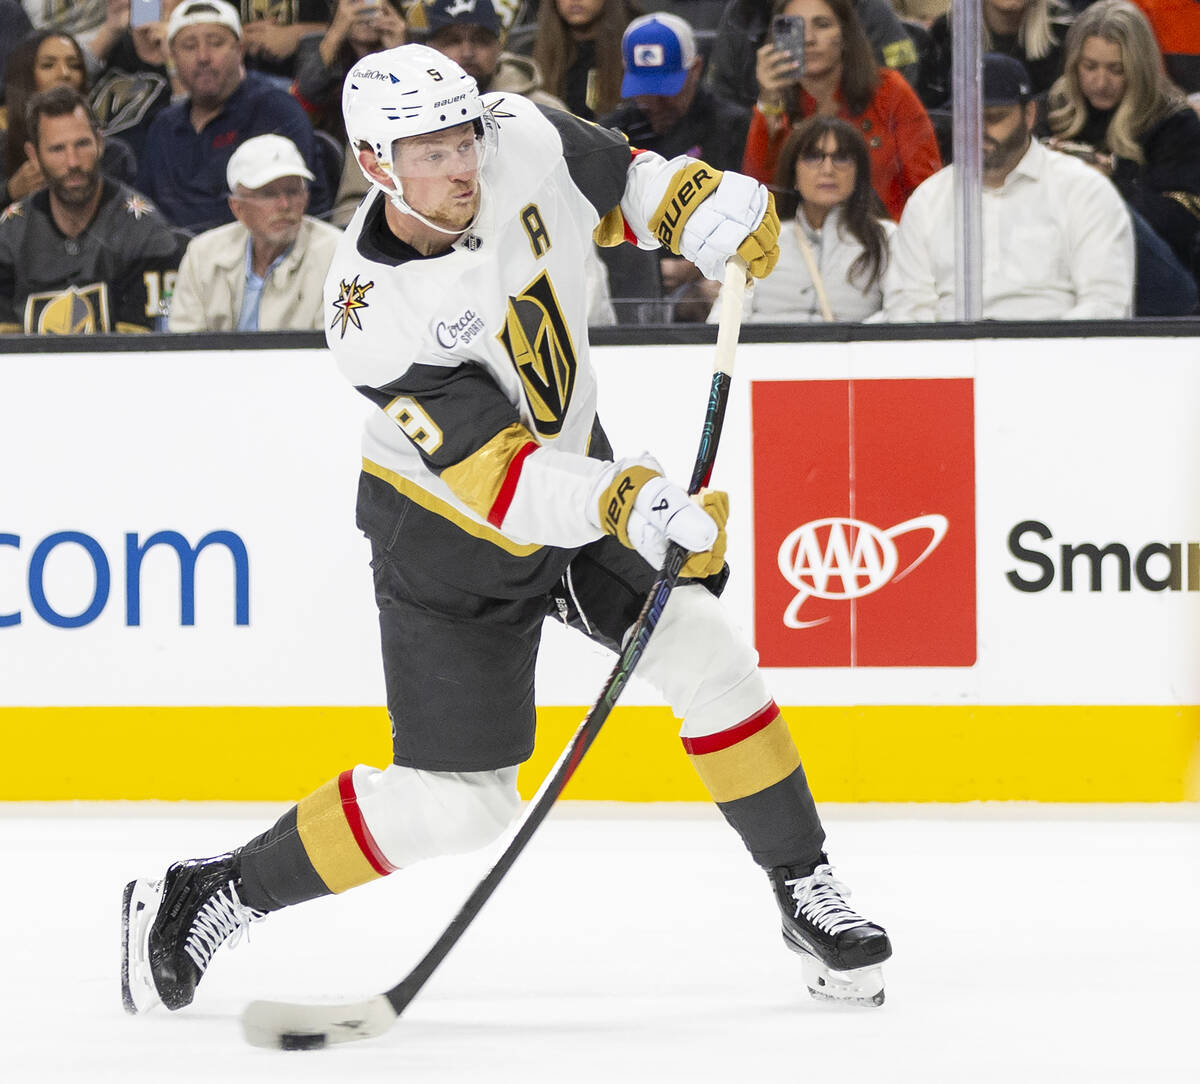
x=286 y=1026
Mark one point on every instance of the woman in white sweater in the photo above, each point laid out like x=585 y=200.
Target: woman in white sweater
x=833 y=248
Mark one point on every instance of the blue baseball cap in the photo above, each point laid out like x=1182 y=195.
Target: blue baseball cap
x=658 y=51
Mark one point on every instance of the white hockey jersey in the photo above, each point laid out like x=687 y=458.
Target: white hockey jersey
x=478 y=357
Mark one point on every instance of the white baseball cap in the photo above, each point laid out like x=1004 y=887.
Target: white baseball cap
x=192 y=12
x=264 y=159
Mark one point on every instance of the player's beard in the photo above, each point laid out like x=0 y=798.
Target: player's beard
x=1003 y=155
x=75 y=187
x=455 y=214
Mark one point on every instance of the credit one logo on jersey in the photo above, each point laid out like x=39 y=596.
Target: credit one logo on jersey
x=864 y=522
x=68 y=577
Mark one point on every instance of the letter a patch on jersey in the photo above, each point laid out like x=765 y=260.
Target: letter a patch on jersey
x=536 y=337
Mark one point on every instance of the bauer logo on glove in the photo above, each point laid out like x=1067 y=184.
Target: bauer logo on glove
x=646 y=512
x=708 y=217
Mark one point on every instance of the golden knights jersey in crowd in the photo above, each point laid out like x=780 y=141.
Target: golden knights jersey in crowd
x=478 y=357
x=115 y=276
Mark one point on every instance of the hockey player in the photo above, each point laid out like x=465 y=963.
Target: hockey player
x=491 y=499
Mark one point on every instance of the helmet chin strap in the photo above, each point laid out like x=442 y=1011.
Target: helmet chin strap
x=396 y=198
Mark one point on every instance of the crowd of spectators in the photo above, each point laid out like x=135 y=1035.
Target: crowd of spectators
x=183 y=164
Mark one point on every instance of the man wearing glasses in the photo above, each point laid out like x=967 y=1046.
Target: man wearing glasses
x=265 y=271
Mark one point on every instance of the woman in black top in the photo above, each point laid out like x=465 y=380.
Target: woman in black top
x=1116 y=108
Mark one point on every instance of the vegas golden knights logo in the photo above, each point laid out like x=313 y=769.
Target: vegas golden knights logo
x=537 y=339
x=279 y=12
x=121 y=100
x=74 y=311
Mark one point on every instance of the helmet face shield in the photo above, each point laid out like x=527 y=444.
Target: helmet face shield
x=421 y=116
x=456 y=152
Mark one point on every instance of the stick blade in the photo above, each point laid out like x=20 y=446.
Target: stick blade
x=280 y=1025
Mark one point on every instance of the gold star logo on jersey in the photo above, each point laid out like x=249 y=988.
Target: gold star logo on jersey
x=13 y=210
x=494 y=110
x=351 y=298
x=138 y=206
x=537 y=339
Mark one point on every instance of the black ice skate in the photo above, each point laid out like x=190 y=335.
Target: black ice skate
x=171 y=928
x=841 y=951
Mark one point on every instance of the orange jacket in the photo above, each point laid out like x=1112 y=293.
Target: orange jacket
x=900 y=140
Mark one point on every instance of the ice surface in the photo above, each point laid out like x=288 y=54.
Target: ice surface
x=639 y=944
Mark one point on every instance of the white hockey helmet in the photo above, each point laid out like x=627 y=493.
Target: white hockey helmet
x=406 y=91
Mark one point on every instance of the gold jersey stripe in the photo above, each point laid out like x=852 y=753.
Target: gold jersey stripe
x=439 y=507
x=610 y=230
x=477 y=480
x=760 y=761
x=329 y=842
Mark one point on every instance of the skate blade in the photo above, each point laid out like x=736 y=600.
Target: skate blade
x=139 y=905
x=862 y=986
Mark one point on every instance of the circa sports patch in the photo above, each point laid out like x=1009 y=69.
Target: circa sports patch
x=864 y=522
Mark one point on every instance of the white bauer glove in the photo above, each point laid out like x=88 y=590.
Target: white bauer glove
x=708 y=216
x=645 y=511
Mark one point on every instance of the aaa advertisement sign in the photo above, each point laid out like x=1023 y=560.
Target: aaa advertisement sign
x=864 y=522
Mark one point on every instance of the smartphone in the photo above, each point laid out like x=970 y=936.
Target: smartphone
x=787 y=33
x=144 y=12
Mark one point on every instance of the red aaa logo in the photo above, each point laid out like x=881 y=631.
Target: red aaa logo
x=839 y=558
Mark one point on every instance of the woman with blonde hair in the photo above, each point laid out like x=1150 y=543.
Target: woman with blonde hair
x=1115 y=107
x=1032 y=31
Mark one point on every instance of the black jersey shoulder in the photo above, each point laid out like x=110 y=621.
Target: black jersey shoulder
x=597 y=158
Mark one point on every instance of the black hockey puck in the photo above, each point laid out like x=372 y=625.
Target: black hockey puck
x=300 y=1040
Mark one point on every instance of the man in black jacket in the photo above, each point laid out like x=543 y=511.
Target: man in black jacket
x=665 y=107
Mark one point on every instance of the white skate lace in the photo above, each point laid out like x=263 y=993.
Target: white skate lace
x=821 y=898
x=223 y=916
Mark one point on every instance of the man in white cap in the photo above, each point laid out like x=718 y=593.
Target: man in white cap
x=182 y=166
x=265 y=271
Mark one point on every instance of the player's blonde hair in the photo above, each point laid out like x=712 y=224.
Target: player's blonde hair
x=1149 y=94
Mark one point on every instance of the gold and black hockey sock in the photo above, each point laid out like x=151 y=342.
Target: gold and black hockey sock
x=319 y=846
x=753 y=772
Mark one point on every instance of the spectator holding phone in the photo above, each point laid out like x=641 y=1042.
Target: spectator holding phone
x=134 y=84
x=272 y=33
x=833 y=238
x=1115 y=108
x=746 y=24
x=836 y=75
x=358 y=27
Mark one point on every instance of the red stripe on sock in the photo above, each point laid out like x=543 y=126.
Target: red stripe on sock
x=714 y=743
x=358 y=826
x=508 y=487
